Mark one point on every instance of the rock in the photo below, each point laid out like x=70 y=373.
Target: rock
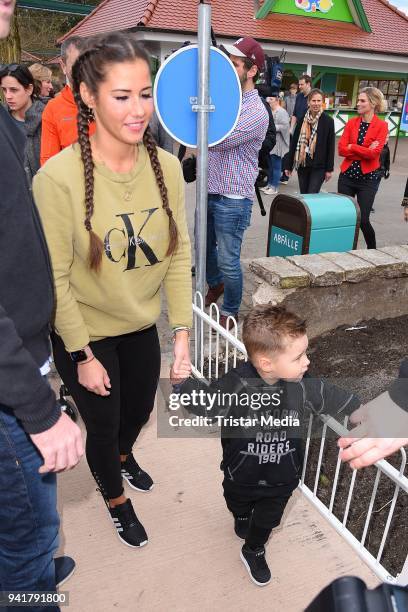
x=279 y=272
x=355 y=268
x=398 y=252
x=322 y=272
x=385 y=265
x=267 y=294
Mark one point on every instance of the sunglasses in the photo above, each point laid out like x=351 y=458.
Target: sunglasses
x=8 y=68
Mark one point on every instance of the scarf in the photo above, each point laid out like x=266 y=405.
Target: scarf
x=306 y=144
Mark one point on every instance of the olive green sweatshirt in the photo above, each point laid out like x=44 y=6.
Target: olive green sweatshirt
x=124 y=296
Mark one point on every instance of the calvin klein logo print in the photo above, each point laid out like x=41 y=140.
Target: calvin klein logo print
x=134 y=241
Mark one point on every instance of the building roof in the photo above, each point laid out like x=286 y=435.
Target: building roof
x=54 y=61
x=27 y=57
x=233 y=18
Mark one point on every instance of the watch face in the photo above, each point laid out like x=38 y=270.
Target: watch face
x=78 y=356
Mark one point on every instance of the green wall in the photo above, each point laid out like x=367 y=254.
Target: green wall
x=329 y=82
x=338 y=12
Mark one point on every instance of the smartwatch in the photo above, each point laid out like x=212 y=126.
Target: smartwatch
x=79 y=356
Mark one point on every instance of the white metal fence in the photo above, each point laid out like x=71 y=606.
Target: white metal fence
x=215 y=352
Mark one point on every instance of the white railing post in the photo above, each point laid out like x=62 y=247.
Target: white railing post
x=201 y=318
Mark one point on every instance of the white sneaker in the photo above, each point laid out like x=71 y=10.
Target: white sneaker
x=270 y=190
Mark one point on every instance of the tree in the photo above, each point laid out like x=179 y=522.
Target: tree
x=10 y=47
x=40 y=30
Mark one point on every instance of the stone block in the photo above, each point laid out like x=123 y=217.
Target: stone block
x=385 y=265
x=355 y=269
x=279 y=272
x=269 y=294
x=322 y=272
x=326 y=308
x=398 y=252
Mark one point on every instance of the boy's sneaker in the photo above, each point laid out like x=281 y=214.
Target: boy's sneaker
x=255 y=562
x=241 y=526
x=130 y=529
x=136 y=478
x=64 y=568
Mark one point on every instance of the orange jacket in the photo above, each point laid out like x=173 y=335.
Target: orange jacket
x=369 y=158
x=59 y=125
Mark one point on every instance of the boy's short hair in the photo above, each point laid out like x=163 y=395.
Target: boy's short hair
x=266 y=328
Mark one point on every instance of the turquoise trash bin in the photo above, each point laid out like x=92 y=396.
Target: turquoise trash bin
x=312 y=223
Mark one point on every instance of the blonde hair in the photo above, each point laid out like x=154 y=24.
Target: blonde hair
x=40 y=72
x=376 y=98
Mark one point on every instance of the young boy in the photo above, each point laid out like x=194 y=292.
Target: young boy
x=273 y=396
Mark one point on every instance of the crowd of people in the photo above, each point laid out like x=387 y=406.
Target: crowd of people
x=89 y=240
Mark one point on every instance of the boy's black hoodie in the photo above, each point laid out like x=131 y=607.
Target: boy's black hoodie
x=26 y=291
x=262 y=452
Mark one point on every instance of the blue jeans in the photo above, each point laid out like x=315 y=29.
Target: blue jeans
x=29 y=520
x=274 y=170
x=227 y=220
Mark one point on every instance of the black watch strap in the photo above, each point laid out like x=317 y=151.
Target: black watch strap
x=78 y=356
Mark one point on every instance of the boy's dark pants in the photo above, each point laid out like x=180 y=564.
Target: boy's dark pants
x=265 y=506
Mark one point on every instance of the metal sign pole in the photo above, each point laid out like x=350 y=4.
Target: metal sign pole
x=203 y=108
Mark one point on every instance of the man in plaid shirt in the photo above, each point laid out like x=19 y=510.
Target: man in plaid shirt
x=232 y=172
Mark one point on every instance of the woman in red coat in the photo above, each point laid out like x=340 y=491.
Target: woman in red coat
x=361 y=144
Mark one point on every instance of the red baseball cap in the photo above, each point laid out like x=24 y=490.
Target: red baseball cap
x=247 y=47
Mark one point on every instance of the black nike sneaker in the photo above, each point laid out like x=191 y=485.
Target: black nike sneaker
x=136 y=478
x=255 y=562
x=130 y=529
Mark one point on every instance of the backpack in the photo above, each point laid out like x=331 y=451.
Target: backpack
x=385 y=162
x=267 y=146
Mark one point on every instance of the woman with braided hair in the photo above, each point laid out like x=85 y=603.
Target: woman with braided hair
x=113 y=212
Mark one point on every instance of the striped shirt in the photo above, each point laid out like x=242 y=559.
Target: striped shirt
x=233 y=164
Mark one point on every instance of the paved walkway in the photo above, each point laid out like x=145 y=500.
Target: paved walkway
x=192 y=559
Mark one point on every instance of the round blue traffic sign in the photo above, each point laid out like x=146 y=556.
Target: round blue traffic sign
x=175 y=94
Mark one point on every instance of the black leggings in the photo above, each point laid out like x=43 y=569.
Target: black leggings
x=114 y=422
x=310 y=179
x=365 y=190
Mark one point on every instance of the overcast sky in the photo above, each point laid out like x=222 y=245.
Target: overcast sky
x=401 y=4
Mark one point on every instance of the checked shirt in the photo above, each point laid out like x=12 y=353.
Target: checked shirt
x=233 y=164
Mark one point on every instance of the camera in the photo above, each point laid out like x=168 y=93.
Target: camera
x=350 y=594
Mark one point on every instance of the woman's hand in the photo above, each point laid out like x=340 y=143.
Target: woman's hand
x=328 y=176
x=374 y=144
x=288 y=173
x=93 y=376
x=181 y=367
x=405 y=214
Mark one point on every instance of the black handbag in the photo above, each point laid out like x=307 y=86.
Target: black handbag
x=189 y=167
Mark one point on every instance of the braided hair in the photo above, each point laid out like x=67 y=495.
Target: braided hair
x=90 y=68
x=151 y=147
